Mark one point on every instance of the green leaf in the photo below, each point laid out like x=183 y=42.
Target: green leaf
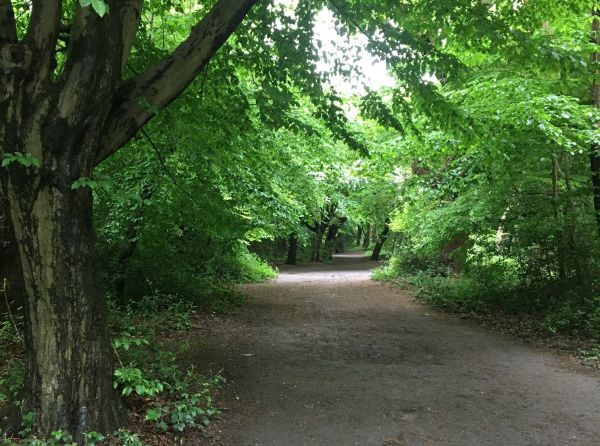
x=25 y=159
x=153 y=415
x=100 y=7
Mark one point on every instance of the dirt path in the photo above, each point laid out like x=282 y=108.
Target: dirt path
x=324 y=356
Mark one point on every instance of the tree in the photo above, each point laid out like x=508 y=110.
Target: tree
x=595 y=150
x=385 y=232
x=292 y=249
x=66 y=105
x=55 y=127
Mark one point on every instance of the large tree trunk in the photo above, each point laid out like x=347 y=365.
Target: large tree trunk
x=292 y=250
x=69 y=122
x=69 y=359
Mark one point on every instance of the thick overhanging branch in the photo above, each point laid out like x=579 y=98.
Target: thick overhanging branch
x=158 y=86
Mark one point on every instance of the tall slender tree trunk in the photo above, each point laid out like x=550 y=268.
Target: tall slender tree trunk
x=358 y=235
x=570 y=231
x=367 y=241
x=561 y=248
x=595 y=150
x=380 y=241
x=317 y=244
x=292 y=249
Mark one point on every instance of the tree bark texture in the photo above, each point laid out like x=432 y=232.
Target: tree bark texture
x=69 y=360
x=68 y=122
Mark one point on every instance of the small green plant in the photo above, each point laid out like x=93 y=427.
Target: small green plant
x=591 y=354
x=127 y=438
x=24 y=159
x=132 y=381
x=11 y=380
x=93 y=438
x=92 y=183
x=27 y=424
x=187 y=411
x=126 y=340
x=60 y=438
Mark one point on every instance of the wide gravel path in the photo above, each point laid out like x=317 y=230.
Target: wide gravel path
x=325 y=356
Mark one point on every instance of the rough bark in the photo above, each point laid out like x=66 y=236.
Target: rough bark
x=159 y=86
x=69 y=124
x=292 y=250
x=68 y=354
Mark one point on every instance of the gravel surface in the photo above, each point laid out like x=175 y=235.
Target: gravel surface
x=325 y=356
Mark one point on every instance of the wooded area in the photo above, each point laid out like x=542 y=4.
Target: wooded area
x=156 y=153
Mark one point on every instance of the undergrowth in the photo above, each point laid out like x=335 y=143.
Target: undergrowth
x=496 y=290
x=165 y=399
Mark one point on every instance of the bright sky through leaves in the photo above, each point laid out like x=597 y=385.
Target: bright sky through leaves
x=373 y=73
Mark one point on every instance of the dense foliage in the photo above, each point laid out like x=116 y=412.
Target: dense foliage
x=478 y=171
x=497 y=194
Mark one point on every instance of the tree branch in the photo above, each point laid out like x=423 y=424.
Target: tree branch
x=310 y=227
x=8 y=28
x=98 y=48
x=157 y=87
x=42 y=34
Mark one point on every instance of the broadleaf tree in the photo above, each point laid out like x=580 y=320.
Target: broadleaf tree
x=70 y=120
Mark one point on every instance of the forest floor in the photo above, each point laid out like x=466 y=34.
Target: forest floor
x=325 y=356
